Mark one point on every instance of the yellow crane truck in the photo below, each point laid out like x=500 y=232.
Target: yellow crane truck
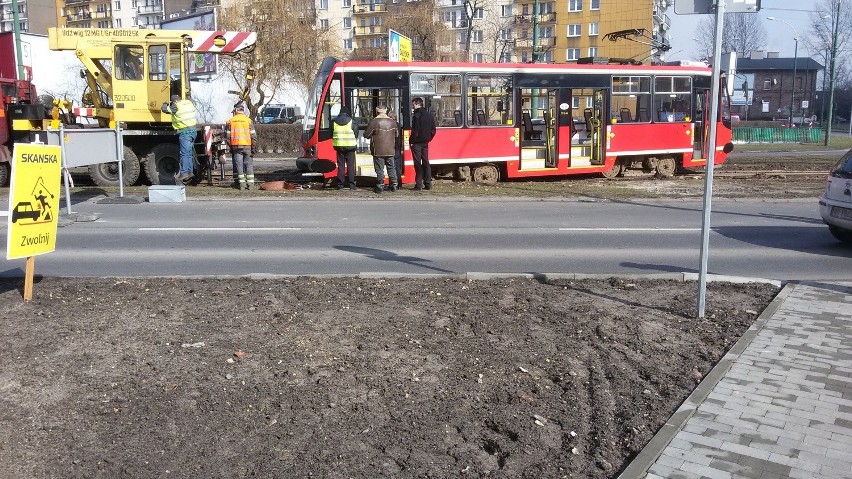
x=130 y=73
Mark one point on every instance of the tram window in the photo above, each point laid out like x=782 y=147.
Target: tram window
x=441 y=95
x=673 y=98
x=631 y=96
x=331 y=104
x=489 y=100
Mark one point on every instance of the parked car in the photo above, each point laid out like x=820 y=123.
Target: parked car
x=835 y=205
x=278 y=113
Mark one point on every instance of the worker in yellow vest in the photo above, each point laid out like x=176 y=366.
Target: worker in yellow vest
x=241 y=136
x=184 y=121
x=345 y=141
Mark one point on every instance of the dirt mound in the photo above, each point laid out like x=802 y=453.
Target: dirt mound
x=350 y=378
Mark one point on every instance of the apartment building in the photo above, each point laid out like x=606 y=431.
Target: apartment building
x=34 y=16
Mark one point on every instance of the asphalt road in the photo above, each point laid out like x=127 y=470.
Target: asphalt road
x=773 y=240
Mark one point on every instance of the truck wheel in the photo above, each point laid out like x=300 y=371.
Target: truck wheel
x=106 y=174
x=5 y=172
x=162 y=164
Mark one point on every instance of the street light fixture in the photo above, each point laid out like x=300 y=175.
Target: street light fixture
x=795 y=58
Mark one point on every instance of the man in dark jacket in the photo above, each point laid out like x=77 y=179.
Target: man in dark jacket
x=345 y=141
x=382 y=134
x=422 y=132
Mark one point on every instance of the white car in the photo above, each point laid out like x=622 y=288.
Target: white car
x=835 y=205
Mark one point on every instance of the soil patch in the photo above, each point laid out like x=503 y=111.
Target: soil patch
x=340 y=377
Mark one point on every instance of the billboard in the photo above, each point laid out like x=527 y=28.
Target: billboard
x=200 y=64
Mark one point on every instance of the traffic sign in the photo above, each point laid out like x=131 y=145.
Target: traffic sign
x=399 y=47
x=33 y=200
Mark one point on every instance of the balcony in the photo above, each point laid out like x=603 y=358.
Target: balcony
x=543 y=43
x=149 y=9
x=364 y=31
x=369 y=8
x=543 y=19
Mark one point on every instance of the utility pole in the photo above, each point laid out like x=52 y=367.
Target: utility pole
x=835 y=24
x=535 y=32
x=17 y=29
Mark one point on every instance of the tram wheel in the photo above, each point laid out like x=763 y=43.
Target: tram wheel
x=486 y=174
x=616 y=170
x=665 y=167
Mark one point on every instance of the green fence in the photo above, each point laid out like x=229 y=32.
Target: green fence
x=777 y=135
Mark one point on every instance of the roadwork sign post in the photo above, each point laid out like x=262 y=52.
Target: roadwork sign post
x=33 y=205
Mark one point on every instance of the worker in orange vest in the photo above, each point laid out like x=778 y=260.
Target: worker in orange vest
x=241 y=136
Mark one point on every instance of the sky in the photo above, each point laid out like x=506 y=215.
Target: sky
x=779 y=37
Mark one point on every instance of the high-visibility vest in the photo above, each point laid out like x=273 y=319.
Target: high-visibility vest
x=343 y=135
x=184 y=117
x=240 y=129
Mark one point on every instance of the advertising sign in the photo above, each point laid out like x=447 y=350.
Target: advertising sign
x=200 y=64
x=399 y=47
x=33 y=200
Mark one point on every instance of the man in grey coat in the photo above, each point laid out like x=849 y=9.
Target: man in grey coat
x=382 y=134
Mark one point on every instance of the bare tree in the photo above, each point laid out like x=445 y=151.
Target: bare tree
x=742 y=33
x=822 y=37
x=417 y=20
x=288 y=50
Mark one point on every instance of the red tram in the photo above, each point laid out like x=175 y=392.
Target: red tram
x=502 y=121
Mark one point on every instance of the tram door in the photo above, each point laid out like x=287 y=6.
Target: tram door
x=588 y=107
x=363 y=103
x=539 y=128
x=701 y=110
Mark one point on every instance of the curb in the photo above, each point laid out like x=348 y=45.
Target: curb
x=639 y=465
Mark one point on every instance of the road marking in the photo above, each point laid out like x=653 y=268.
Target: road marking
x=250 y=230
x=631 y=229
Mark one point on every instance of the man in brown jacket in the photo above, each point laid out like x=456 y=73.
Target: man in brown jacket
x=382 y=134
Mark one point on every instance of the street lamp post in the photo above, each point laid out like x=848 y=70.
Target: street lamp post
x=795 y=59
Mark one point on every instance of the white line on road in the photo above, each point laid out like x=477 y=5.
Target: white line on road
x=630 y=229
x=251 y=230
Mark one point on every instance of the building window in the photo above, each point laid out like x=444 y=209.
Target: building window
x=506 y=57
x=347 y=22
x=478 y=58
x=545 y=32
x=476 y=36
x=574 y=30
x=545 y=8
x=117 y=23
x=593 y=29
x=572 y=54
x=347 y=44
x=767 y=83
x=593 y=51
x=323 y=4
x=506 y=11
x=479 y=14
x=116 y=5
x=595 y=4
x=506 y=34
x=575 y=5
x=546 y=57
x=323 y=23
x=347 y=3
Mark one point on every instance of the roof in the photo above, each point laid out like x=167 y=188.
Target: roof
x=801 y=63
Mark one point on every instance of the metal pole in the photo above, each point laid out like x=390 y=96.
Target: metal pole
x=66 y=174
x=835 y=23
x=535 y=32
x=17 y=29
x=793 y=89
x=119 y=149
x=711 y=158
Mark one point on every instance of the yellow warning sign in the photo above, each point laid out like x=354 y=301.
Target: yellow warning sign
x=33 y=200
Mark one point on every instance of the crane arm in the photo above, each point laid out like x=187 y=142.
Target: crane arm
x=198 y=41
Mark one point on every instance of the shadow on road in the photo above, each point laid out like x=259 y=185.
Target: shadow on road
x=383 y=255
